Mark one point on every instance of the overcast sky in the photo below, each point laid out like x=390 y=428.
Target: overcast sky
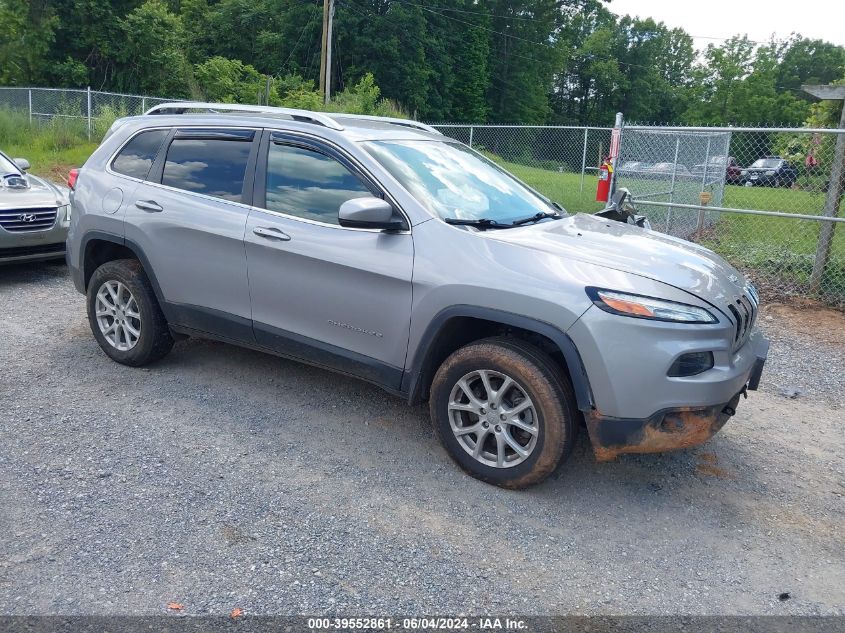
x=759 y=19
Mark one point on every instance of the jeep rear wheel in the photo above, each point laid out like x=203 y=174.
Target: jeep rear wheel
x=124 y=314
x=504 y=412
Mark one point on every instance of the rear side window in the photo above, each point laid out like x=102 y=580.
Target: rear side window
x=138 y=155
x=211 y=166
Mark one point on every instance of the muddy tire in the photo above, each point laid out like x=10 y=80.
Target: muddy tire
x=504 y=411
x=124 y=314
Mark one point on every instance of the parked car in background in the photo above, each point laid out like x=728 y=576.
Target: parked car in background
x=719 y=166
x=381 y=249
x=633 y=167
x=34 y=214
x=669 y=168
x=771 y=171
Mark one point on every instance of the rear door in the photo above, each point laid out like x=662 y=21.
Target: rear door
x=189 y=218
x=336 y=296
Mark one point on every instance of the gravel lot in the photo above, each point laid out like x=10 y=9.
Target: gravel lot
x=222 y=478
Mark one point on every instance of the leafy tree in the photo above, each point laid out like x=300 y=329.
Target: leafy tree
x=151 y=53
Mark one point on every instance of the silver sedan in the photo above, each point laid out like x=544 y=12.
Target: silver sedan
x=34 y=214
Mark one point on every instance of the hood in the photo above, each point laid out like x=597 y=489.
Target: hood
x=38 y=193
x=630 y=249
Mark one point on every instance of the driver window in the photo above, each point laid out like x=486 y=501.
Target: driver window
x=307 y=184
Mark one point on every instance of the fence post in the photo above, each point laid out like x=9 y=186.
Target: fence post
x=615 y=150
x=700 y=224
x=30 y=106
x=584 y=159
x=672 y=186
x=143 y=105
x=470 y=136
x=831 y=208
x=88 y=92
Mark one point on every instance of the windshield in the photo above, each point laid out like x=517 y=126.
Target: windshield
x=453 y=181
x=767 y=163
x=7 y=166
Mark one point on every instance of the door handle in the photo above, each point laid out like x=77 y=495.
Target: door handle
x=271 y=234
x=149 y=205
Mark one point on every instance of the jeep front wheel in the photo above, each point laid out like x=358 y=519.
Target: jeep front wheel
x=503 y=411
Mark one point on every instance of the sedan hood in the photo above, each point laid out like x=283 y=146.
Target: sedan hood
x=39 y=193
x=618 y=246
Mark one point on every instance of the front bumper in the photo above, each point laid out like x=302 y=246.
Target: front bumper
x=669 y=429
x=35 y=253
x=28 y=246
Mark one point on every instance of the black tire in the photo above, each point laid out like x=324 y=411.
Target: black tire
x=534 y=373
x=155 y=339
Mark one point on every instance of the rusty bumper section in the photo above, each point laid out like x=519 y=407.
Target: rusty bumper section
x=667 y=430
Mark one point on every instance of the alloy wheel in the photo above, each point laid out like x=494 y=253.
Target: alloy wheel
x=118 y=315
x=493 y=418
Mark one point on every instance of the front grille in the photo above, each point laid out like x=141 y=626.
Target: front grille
x=24 y=220
x=744 y=311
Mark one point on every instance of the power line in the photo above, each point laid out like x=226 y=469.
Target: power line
x=299 y=39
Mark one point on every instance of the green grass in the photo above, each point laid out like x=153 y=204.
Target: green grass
x=52 y=147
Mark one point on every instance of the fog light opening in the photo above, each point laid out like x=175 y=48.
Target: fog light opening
x=691 y=364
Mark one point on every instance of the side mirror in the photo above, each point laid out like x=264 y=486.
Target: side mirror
x=369 y=213
x=22 y=163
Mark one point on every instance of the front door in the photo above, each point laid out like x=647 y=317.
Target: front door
x=331 y=295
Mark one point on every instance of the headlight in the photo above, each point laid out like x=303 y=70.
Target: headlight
x=743 y=172
x=64 y=212
x=771 y=172
x=648 y=307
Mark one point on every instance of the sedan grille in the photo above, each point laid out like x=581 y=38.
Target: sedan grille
x=23 y=220
x=744 y=311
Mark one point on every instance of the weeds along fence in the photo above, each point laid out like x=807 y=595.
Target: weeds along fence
x=767 y=199
x=89 y=106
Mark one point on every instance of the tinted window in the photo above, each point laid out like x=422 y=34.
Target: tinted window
x=308 y=184
x=137 y=156
x=211 y=166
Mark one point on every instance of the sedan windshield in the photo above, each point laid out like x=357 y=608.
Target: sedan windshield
x=766 y=163
x=455 y=182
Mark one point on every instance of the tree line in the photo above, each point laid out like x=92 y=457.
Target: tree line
x=501 y=61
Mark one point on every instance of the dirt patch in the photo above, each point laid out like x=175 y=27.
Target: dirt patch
x=809 y=317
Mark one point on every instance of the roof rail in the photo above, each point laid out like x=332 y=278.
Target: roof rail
x=179 y=107
x=386 y=119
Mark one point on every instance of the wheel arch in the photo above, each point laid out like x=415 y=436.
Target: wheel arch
x=99 y=247
x=459 y=325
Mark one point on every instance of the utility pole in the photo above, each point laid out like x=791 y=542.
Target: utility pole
x=326 y=52
x=835 y=185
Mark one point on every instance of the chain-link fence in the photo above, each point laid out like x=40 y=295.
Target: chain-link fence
x=89 y=106
x=764 y=198
x=761 y=197
x=767 y=199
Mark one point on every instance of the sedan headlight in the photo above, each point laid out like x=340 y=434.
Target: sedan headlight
x=642 y=307
x=771 y=172
x=64 y=213
x=743 y=172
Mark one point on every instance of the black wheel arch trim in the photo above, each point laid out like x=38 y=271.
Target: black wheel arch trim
x=414 y=378
x=121 y=241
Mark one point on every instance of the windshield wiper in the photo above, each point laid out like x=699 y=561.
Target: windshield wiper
x=535 y=218
x=481 y=223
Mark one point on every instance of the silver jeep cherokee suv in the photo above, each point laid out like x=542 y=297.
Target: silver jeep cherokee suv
x=381 y=249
